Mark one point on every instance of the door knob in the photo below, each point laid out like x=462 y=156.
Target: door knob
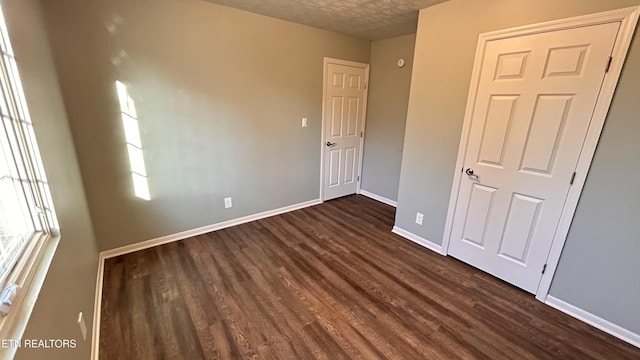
x=330 y=144
x=469 y=172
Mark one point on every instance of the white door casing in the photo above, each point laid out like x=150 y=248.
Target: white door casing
x=344 y=106
x=536 y=107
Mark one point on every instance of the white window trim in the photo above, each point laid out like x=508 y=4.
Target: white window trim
x=29 y=275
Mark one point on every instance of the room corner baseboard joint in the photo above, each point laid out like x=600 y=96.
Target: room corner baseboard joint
x=379 y=198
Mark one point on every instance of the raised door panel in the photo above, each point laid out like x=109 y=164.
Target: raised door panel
x=353 y=116
x=337 y=116
x=349 y=165
x=334 y=167
x=519 y=229
x=545 y=133
x=338 y=80
x=511 y=66
x=496 y=129
x=565 y=61
x=478 y=214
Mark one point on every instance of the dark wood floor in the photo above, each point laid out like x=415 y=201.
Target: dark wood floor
x=326 y=282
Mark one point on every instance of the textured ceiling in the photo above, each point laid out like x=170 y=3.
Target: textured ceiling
x=369 y=19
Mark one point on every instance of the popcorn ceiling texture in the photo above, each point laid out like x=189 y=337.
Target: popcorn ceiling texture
x=369 y=19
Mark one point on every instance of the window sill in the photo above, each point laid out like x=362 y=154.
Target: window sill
x=30 y=280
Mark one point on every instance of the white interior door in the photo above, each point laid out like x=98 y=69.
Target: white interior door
x=345 y=100
x=534 y=103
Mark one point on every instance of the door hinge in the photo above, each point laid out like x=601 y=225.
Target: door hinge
x=361 y=133
x=573 y=178
x=365 y=85
x=358 y=178
x=609 y=64
x=544 y=268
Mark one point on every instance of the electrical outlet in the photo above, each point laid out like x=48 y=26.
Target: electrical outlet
x=419 y=218
x=82 y=325
x=227 y=203
x=304 y=122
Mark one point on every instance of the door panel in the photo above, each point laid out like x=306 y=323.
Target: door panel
x=565 y=61
x=496 y=129
x=545 y=133
x=353 y=116
x=349 y=165
x=534 y=103
x=511 y=65
x=478 y=212
x=334 y=167
x=345 y=92
x=519 y=227
x=336 y=116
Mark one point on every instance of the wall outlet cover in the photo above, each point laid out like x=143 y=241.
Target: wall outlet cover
x=82 y=325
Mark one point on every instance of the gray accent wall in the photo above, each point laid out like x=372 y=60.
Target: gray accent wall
x=220 y=94
x=599 y=268
x=69 y=286
x=386 y=114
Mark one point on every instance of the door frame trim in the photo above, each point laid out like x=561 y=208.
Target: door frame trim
x=628 y=18
x=327 y=61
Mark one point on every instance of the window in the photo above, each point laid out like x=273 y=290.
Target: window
x=26 y=212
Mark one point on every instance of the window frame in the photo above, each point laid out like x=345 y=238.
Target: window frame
x=29 y=266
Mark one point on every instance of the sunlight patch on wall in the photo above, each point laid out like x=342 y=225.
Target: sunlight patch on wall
x=134 y=143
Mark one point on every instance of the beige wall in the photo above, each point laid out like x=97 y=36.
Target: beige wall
x=220 y=96
x=386 y=114
x=70 y=283
x=598 y=268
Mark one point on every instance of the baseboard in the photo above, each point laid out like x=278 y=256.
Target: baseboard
x=382 y=199
x=203 y=230
x=595 y=321
x=418 y=240
x=97 y=309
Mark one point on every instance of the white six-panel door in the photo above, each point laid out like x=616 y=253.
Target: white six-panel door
x=345 y=99
x=533 y=106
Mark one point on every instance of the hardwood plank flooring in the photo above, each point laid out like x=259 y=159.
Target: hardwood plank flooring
x=326 y=282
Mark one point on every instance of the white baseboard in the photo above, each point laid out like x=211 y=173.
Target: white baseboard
x=95 y=341
x=418 y=240
x=203 y=230
x=595 y=321
x=382 y=199
x=97 y=309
